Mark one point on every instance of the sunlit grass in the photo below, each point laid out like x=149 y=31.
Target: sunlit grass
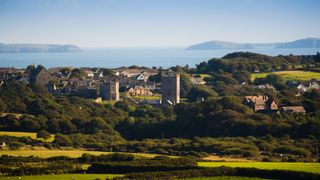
x=290 y=75
x=225 y=178
x=70 y=153
x=63 y=177
x=294 y=166
x=25 y=134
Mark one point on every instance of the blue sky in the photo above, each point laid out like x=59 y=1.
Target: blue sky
x=142 y=23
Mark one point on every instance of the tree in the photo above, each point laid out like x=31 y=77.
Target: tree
x=155 y=78
x=43 y=134
x=9 y=122
x=317 y=58
x=200 y=91
x=67 y=127
x=2 y=105
x=77 y=73
x=185 y=84
x=108 y=72
x=29 y=124
x=62 y=140
x=242 y=76
x=53 y=126
x=124 y=105
x=274 y=79
x=98 y=124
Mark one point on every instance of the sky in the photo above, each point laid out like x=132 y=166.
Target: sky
x=156 y=23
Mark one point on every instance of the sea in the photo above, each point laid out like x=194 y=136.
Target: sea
x=147 y=57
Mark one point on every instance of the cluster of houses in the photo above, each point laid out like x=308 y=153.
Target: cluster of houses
x=305 y=86
x=301 y=87
x=94 y=83
x=90 y=84
x=265 y=104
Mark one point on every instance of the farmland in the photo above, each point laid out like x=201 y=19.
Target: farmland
x=69 y=153
x=293 y=166
x=104 y=176
x=290 y=75
x=226 y=178
x=25 y=134
x=64 y=176
x=147 y=97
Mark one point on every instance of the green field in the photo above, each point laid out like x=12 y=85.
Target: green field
x=104 y=176
x=70 y=153
x=63 y=177
x=147 y=97
x=205 y=75
x=226 y=178
x=25 y=134
x=294 y=166
x=290 y=75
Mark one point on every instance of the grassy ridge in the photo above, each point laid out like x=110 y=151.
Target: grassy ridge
x=64 y=177
x=293 y=166
x=290 y=75
x=25 y=134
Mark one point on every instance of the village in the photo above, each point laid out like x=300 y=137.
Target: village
x=101 y=85
x=134 y=85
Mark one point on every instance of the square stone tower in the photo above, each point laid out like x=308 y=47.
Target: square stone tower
x=170 y=87
x=110 y=90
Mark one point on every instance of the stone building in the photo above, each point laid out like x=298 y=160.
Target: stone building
x=170 y=87
x=261 y=103
x=292 y=109
x=39 y=75
x=110 y=90
x=139 y=90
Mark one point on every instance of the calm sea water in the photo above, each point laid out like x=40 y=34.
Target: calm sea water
x=111 y=57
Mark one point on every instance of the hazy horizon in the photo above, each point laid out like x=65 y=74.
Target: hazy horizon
x=168 y=23
x=156 y=46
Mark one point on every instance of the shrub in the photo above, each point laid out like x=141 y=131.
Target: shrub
x=15 y=145
x=43 y=134
x=143 y=165
x=115 y=157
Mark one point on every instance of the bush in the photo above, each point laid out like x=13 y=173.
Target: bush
x=115 y=157
x=143 y=165
x=15 y=145
x=31 y=170
x=43 y=134
x=293 y=150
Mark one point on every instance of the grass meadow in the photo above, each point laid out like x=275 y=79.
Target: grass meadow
x=46 y=153
x=63 y=177
x=226 y=178
x=293 y=166
x=290 y=75
x=25 y=134
x=104 y=176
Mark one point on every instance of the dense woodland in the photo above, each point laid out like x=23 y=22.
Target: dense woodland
x=221 y=124
x=252 y=62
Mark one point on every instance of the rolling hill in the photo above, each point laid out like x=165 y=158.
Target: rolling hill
x=224 y=45
x=38 y=48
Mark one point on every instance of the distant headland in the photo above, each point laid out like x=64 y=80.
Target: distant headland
x=224 y=45
x=38 y=48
